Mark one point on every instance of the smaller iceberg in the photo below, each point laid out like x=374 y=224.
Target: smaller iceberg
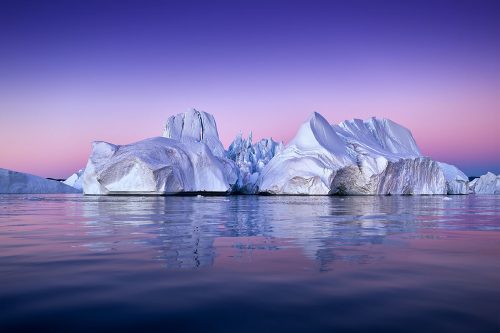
x=75 y=180
x=486 y=184
x=13 y=182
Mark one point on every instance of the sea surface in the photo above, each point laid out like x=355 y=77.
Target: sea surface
x=71 y=263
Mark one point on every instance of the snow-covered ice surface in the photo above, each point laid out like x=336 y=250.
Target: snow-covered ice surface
x=14 y=182
x=377 y=137
x=486 y=184
x=357 y=157
x=195 y=126
x=250 y=159
x=308 y=163
x=155 y=166
x=75 y=180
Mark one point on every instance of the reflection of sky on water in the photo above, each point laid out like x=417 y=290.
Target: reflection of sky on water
x=353 y=262
x=193 y=231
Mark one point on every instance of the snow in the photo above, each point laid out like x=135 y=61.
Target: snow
x=486 y=184
x=14 y=182
x=308 y=163
x=155 y=166
x=378 y=137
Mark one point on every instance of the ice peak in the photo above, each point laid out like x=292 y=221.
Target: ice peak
x=194 y=125
x=379 y=135
x=316 y=132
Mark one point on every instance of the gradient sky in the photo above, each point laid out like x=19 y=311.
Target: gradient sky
x=76 y=71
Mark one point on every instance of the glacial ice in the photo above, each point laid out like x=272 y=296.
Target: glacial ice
x=486 y=184
x=357 y=157
x=195 y=126
x=75 y=180
x=250 y=159
x=155 y=166
x=14 y=182
x=456 y=181
x=308 y=163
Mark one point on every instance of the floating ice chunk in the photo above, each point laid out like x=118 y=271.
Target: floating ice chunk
x=75 y=180
x=486 y=184
x=14 y=182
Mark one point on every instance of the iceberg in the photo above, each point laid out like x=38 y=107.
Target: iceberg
x=75 y=180
x=154 y=166
x=13 y=182
x=250 y=159
x=357 y=157
x=486 y=184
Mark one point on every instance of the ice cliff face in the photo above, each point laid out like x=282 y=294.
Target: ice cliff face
x=13 y=182
x=486 y=184
x=456 y=181
x=356 y=157
x=406 y=176
x=75 y=180
x=155 y=166
x=250 y=159
x=195 y=126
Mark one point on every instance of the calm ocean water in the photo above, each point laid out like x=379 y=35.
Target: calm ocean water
x=70 y=263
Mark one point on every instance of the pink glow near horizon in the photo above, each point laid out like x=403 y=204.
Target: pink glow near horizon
x=57 y=143
x=79 y=71
x=47 y=129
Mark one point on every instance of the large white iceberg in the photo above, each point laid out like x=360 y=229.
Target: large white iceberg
x=486 y=184
x=14 y=182
x=154 y=166
x=188 y=158
x=250 y=159
x=374 y=156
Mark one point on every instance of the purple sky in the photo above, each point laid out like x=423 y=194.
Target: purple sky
x=76 y=71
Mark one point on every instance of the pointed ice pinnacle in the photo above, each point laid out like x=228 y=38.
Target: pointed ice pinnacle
x=197 y=126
